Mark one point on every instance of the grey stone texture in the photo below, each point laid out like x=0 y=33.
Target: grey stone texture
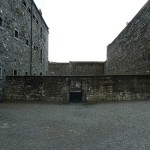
x=129 y=53
x=77 y=69
x=15 y=54
x=93 y=88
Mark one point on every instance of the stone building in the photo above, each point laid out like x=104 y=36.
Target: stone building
x=124 y=76
x=129 y=53
x=23 y=39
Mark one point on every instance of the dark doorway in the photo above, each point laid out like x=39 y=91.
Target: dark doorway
x=75 y=97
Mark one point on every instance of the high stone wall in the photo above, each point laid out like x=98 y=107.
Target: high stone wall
x=94 y=89
x=77 y=69
x=129 y=53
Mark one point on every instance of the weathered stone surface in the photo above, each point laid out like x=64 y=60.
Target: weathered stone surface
x=129 y=53
x=77 y=69
x=94 y=89
x=14 y=53
x=37 y=88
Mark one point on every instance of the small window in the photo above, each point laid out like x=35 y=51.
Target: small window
x=33 y=17
x=15 y=72
x=35 y=48
x=37 y=21
x=26 y=73
x=1 y=21
x=24 y=4
x=41 y=32
x=27 y=42
x=16 y=34
x=41 y=56
x=0 y=72
x=40 y=73
x=29 y=10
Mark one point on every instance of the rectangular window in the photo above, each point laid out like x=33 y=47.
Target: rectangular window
x=33 y=17
x=24 y=4
x=27 y=42
x=37 y=21
x=1 y=21
x=41 y=56
x=35 y=48
x=29 y=10
x=15 y=72
x=16 y=34
x=0 y=72
x=41 y=32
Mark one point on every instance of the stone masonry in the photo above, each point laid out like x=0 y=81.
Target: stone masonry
x=16 y=42
x=129 y=53
x=93 y=89
x=77 y=69
x=23 y=39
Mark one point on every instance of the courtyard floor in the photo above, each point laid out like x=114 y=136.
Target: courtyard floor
x=104 y=126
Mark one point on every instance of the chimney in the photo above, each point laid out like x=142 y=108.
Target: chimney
x=40 y=11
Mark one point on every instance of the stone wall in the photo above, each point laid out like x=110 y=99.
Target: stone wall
x=129 y=53
x=29 y=88
x=77 y=69
x=94 y=88
x=15 y=53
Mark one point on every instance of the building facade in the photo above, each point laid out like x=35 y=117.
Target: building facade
x=23 y=39
x=129 y=53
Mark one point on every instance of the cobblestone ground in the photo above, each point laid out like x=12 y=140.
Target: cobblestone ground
x=105 y=126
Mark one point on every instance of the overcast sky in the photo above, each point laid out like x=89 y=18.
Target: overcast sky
x=80 y=30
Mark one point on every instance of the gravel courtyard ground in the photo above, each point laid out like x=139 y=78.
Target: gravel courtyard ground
x=104 y=126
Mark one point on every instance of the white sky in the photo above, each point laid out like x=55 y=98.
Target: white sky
x=80 y=30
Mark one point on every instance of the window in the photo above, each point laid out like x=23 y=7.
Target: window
x=41 y=57
x=29 y=10
x=24 y=4
x=1 y=21
x=26 y=73
x=33 y=17
x=40 y=73
x=15 y=72
x=41 y=32
x=37 y=21
x=35 y=48
x=27 y=42
x=16 y=34
x=0 y=72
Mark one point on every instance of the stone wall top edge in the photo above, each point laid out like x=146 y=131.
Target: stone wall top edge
x=76 y=62
x=141 y=75
x=40 y=14
x=132 y=20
